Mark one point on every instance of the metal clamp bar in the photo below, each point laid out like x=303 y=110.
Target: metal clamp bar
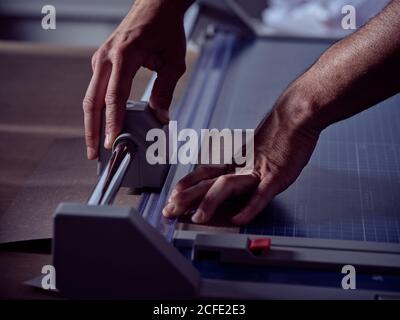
x=110 y=181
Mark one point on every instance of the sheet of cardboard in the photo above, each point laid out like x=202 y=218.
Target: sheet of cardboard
x=63 y=175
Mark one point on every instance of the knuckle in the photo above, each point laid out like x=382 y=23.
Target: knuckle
x=111 y=123
x=117 y=53
x=202 y=170
x=94 y=61
x=256 y=174
x=253 y=204
x=111 y=99
x=204 y=184
x=181 y=198
x=187 y=181
x=90 y=139
x=274 y=176
x=88 y=104
x=115 y=56
x=208 y=202
x=226 y=178
x=181 y=184
x=99 y=56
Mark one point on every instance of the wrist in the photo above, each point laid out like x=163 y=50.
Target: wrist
x=299 y=107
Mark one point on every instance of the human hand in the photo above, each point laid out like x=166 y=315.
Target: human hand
x=283 y=145
x=152 y=36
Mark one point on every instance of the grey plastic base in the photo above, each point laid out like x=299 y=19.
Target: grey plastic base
x=112 y=252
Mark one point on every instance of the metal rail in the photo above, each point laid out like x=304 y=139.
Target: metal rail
x=111 y=179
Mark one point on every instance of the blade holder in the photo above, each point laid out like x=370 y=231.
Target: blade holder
x=140 y=174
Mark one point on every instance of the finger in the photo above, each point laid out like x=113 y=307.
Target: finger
x=200 y=173
x=163 y=90
x=181 y=202
x=93 y=104
x=264 y=193
x=225 y=187
x=118 y=91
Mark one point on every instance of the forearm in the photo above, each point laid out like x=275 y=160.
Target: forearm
x=355 y=73
x=179 y=6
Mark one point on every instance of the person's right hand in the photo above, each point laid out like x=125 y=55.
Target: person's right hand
x=152 y=36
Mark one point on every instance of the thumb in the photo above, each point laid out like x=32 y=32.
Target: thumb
x=163 y=90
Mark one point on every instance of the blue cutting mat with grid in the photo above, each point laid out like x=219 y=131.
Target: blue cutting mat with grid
x=350 y=189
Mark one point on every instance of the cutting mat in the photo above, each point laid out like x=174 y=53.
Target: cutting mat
x=351 y=187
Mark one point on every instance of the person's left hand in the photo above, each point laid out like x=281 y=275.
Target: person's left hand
x=283 y=146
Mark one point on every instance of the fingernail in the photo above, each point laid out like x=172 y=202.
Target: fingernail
x=107 y=141
x=90 y=153
x=198 y=216
x=168 y=209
